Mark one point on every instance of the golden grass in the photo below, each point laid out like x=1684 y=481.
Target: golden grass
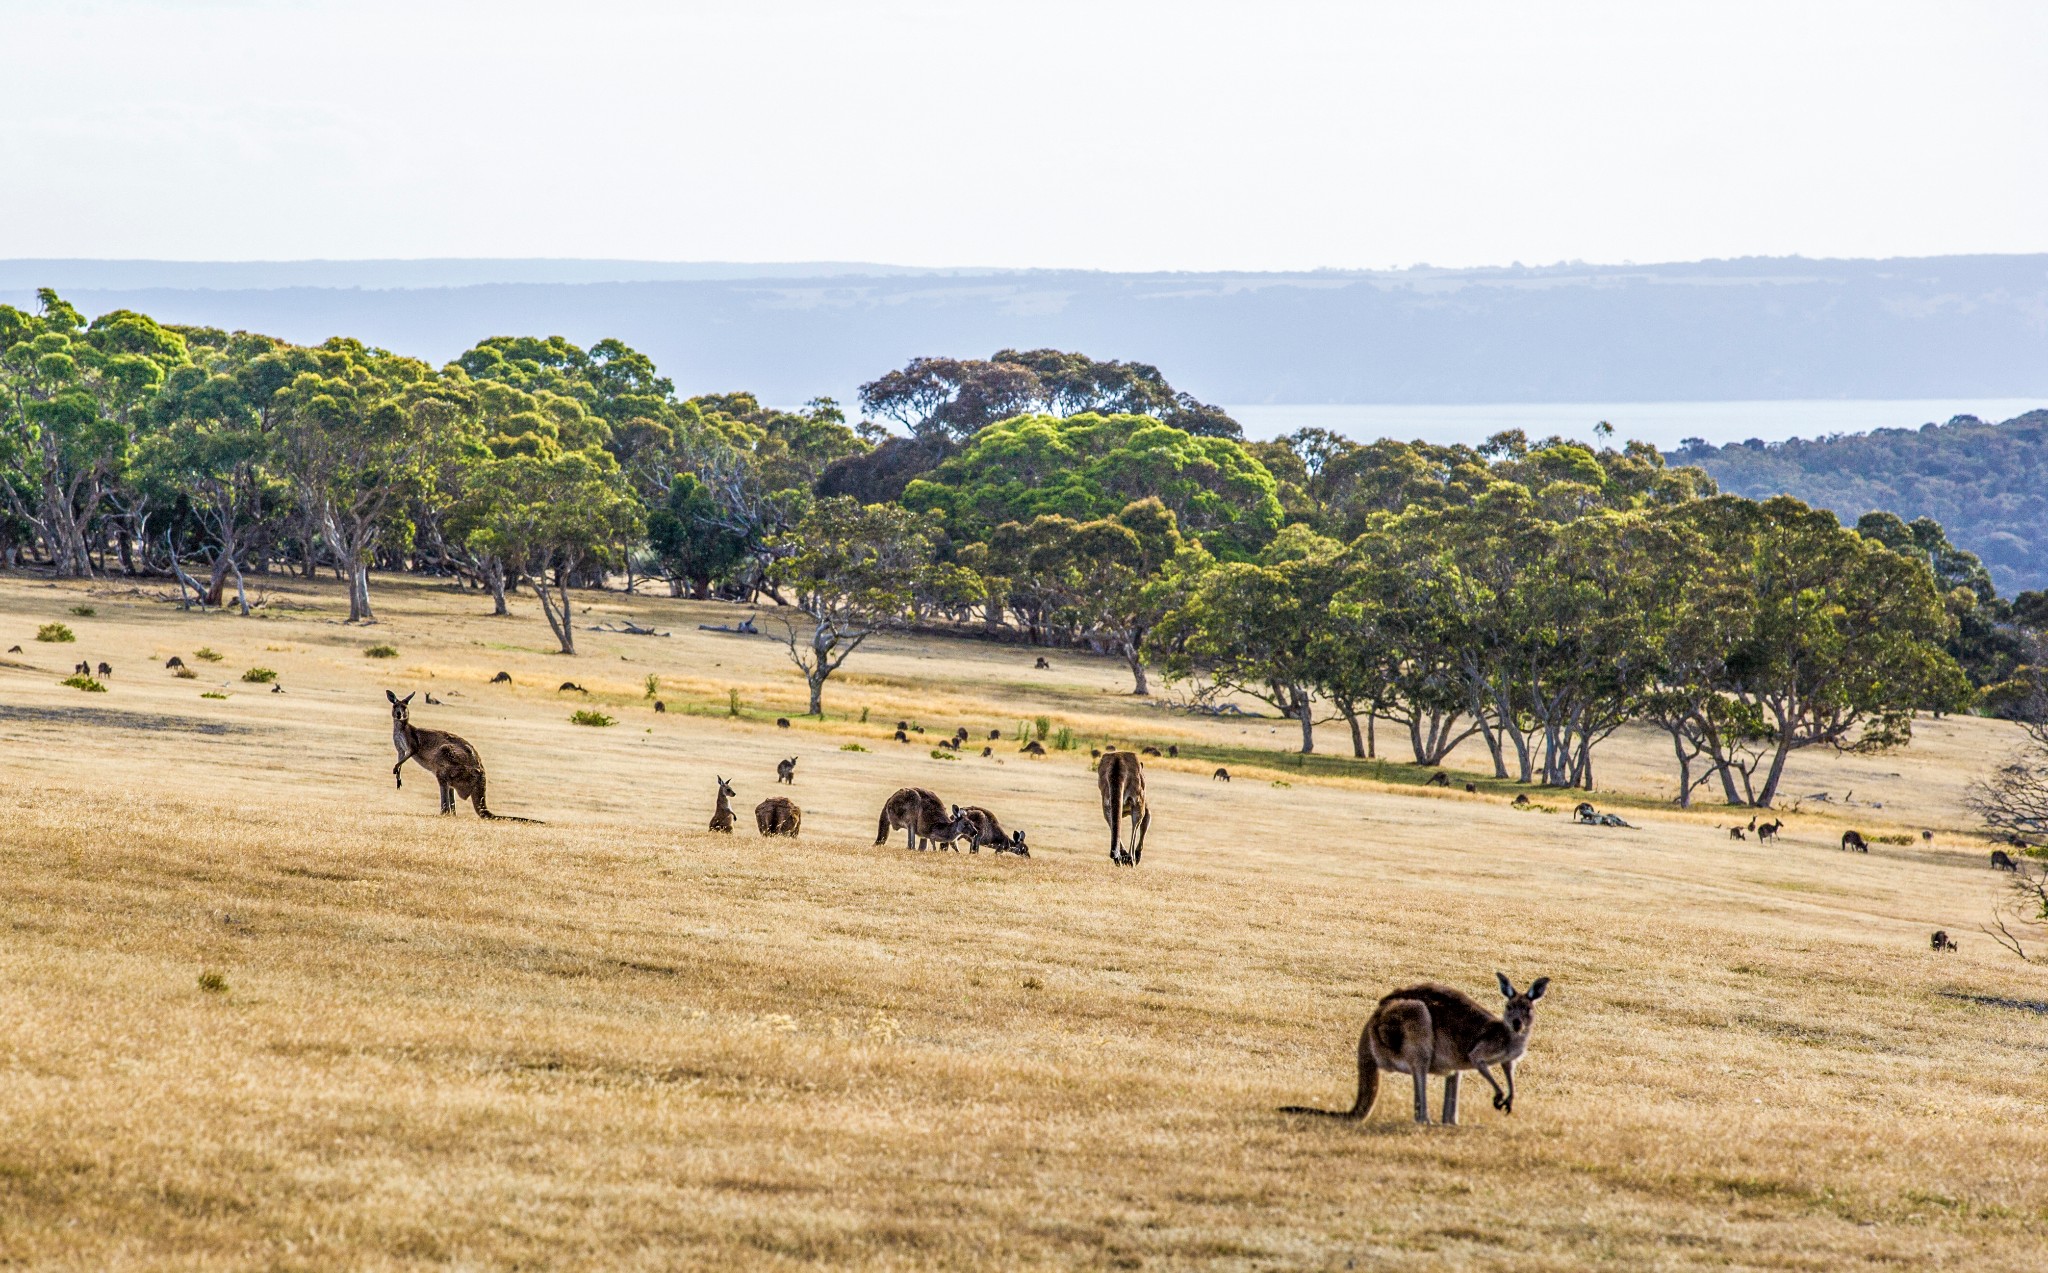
x=619 y=1041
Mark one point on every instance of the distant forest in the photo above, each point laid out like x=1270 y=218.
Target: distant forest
x=1987 y=484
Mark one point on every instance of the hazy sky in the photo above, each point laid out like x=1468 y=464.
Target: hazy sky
x=1180 y=135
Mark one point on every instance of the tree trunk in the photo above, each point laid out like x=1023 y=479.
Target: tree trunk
x=1137 y=665
x=359 y=593
x=555 y=606
x=1357 y=737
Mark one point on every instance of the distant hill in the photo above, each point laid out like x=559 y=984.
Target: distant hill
x=1987 y=484
x=1711 y=330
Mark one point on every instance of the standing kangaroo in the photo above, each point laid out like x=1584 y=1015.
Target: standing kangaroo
x=920 y=814
x=1430 y=1029
x=452 y=761
x=721 y=817
x=785 y=771
x=1121 y=780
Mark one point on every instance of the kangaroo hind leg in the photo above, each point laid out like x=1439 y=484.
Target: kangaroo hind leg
x=447 y=797
x=1451 y=1099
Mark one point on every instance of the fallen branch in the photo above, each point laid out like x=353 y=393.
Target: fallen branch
x=625 y=628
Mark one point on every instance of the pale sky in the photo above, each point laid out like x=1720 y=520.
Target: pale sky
x=1252 y=134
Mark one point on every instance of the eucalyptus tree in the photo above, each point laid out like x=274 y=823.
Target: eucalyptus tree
x=851 y=570
x=544 y=513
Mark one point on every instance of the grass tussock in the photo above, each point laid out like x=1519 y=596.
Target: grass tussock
x=56 y=633
x=84 y=612
x=206 y=654
x=90 y=685
x=259 y=675
x=381 y=652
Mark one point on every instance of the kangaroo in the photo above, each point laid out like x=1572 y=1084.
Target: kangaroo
x=1173 y=750
x=1221 y=775
x=1438 y=779
x=778 y=815
x=1752 y=822
x=921 y=815
x=785 y=771
x=1735 y=833
x=1942 y=941
x=15 y=649
x=1854 y=840
x=1521 y=801
x=567 y=686
x=1033 y=748
x=1430 y=1029
x=1150 y=751
x=995 y=735
x=1041 y=665
x=1927 y=837
x=1471 y=790
x=782 y=722
x=902 y=737
x=431 y=700
x=987 y=752
x=82 y=669
x=174 y=664
x=1121 y=779
x=106 y=670
x=660 y=707
x=1768 y=831
x=502 y=678
x=452 y=761
x=978 y=826
x=721 y=817
x=2002 y=861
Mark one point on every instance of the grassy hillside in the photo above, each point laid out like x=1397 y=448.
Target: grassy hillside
x=266 y=1011
x=1987 y=484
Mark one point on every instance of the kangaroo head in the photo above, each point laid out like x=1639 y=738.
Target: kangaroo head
x=399 y=705
x=725 y=788
x=1521 y=1010
x=1015 y=844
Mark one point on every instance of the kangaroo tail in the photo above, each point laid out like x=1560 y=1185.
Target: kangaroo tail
x=483 y=811
x=1368 y=1091
x=882 y=831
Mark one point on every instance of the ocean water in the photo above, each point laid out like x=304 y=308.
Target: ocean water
x=1663 y=424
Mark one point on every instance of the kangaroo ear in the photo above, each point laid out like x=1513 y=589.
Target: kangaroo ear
x=1536 y=990
x=393 y=697
x=408 y=698
x=1507 y=988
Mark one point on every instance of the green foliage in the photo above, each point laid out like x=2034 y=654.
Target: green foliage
x=213 y=983
x=212 y=694
x=84 y=612
x=690 y=538
x=851 y=747
x=940 y=753
x=381 y=652
x=55 y=632
x=1064 y=739
x=653 y=685
x=1041 y=727
x=854 y=570
x=207 y=654
x=586 y=716
x=732 y=702
x=1986 y=483
x=86 y=683
x=259 y=676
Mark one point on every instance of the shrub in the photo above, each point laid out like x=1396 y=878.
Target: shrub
x=84 y=612
x=732 y=702
x=210 y=655
x=55 y=632
x=863 y=715
x=940 y=753
x=1064 y=740
x=588 y=717
x=653 y=685
x=213 y=983
x=186 y=674
x=851 y=747
x=381 y=652
x=259 y=676
x=1043 y=726
x=213 y=694
x=86 y=683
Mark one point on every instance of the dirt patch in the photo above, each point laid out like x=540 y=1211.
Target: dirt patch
x=101 y=718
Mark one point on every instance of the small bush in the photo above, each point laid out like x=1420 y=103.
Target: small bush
x=1889 y=839
x=259 y=676
x=55 y=632
x=1043 y=726
x=732 y=702
x=588 y=717
x=86 y=683
x=210 y=655
x=1064 y=740
x=213 y=694
x=851 y=747
x=939 y=753
x=213 y=983
x=381 y=652
x=653 y=685
x=84 y=612
x=186 y=674
x=863 y=715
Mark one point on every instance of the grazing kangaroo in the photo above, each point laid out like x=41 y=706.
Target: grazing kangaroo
x=2002 y=861
x=15 y=649
x=82 y=669
x=1221 y=775
x=1942 y=941
x=106 y=670
x=1768 y=831
x=988 y=751
x=174 y=664
x=778 y=815
x=1854 y=840
x=921 y=815
x=1033 y=748
x=660 y=707
x=502 y=678
x=902 y=737
x=1041 y=665
x=1927 y=837
x=1121 y=779
x=571 y=685
x=721 y=817
x=978 y=827
x=782 y=722
x=1430 y=1029
x=1438 y=779
x=452 y=761
x=1149 y=751
x=785 y=771
x=995 y=735
x=1735 y=833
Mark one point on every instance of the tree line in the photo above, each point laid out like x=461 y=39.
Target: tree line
x=1534 y=595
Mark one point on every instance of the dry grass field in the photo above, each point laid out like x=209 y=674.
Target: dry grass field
x=263 y=1010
